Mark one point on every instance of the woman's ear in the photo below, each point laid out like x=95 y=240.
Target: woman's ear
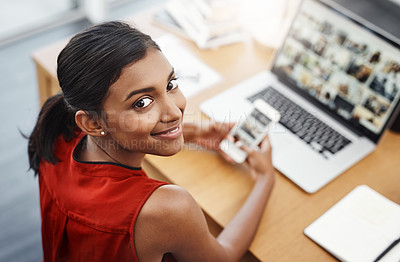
x=89 y=123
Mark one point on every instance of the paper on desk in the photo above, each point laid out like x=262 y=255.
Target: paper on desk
x=194 y=76
x=359 y=227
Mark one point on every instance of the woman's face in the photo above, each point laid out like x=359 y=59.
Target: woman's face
x=144 y=108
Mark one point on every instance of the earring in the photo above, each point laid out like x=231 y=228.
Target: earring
x=102 y=133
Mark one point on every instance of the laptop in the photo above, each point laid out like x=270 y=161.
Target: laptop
x=336 y=83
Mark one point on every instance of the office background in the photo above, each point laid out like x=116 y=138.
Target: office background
x=20 y=238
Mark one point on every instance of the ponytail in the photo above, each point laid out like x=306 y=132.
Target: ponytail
x=55 y=118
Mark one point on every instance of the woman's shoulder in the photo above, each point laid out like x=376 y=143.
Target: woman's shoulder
x=169 y=208
x=166 y=201
x=172 y=216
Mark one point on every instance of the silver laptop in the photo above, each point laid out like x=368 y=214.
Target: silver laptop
x=335 y=82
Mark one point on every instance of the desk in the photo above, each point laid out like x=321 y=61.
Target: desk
x=220 y=188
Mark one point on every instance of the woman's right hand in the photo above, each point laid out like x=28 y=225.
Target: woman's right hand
x=260 y=161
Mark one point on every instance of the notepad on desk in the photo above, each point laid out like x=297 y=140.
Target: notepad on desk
x=360 y=227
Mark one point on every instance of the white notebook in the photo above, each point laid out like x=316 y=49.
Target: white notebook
x=359 y=227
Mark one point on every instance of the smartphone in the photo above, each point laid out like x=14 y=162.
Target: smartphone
x=250 y=130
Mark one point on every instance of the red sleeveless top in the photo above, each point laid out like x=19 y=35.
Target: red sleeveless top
x=89 y=209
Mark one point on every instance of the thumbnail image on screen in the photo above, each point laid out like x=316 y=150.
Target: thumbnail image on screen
x=348 y=69
x=252 y=127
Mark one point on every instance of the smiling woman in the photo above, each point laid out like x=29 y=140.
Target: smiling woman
x=140 y=112
x=120 y=101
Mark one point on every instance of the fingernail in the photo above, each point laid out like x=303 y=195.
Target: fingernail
x=239 y=143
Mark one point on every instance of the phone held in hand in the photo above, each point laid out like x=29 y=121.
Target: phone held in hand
x=250 y=130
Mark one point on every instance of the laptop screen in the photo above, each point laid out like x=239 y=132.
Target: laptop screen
x=342 y=65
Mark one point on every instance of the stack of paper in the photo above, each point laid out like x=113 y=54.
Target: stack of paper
x=193 y=74
x=209 y=23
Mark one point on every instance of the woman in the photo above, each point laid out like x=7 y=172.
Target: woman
x=119 y=102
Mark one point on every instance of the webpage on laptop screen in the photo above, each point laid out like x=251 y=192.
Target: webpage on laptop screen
x=345 y=67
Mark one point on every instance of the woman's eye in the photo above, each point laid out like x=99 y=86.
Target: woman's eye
x=143 y=102
x=172 y=84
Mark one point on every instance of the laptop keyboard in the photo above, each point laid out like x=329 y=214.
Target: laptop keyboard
x=310 y=129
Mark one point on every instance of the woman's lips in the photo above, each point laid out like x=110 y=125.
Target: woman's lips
x=172 y=133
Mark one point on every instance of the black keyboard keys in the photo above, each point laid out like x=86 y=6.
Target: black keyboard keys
x=310 y=129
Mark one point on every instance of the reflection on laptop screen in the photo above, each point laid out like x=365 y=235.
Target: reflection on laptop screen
x=350 y=70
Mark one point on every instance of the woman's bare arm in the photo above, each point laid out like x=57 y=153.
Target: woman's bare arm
x=172 y=222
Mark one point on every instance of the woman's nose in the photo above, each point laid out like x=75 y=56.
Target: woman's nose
x=171 y=112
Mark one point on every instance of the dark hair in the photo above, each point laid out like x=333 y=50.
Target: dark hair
x=86 y=68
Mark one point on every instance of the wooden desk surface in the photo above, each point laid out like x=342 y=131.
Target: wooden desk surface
x=221 y=188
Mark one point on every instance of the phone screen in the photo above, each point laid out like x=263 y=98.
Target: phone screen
x=253 y=128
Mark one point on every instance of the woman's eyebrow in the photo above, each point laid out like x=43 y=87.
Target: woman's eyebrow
x=143 y=90
x=171 y=74
x=148 y=89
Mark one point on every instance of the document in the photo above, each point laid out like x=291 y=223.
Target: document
x=360 y=227
x=193 y=74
